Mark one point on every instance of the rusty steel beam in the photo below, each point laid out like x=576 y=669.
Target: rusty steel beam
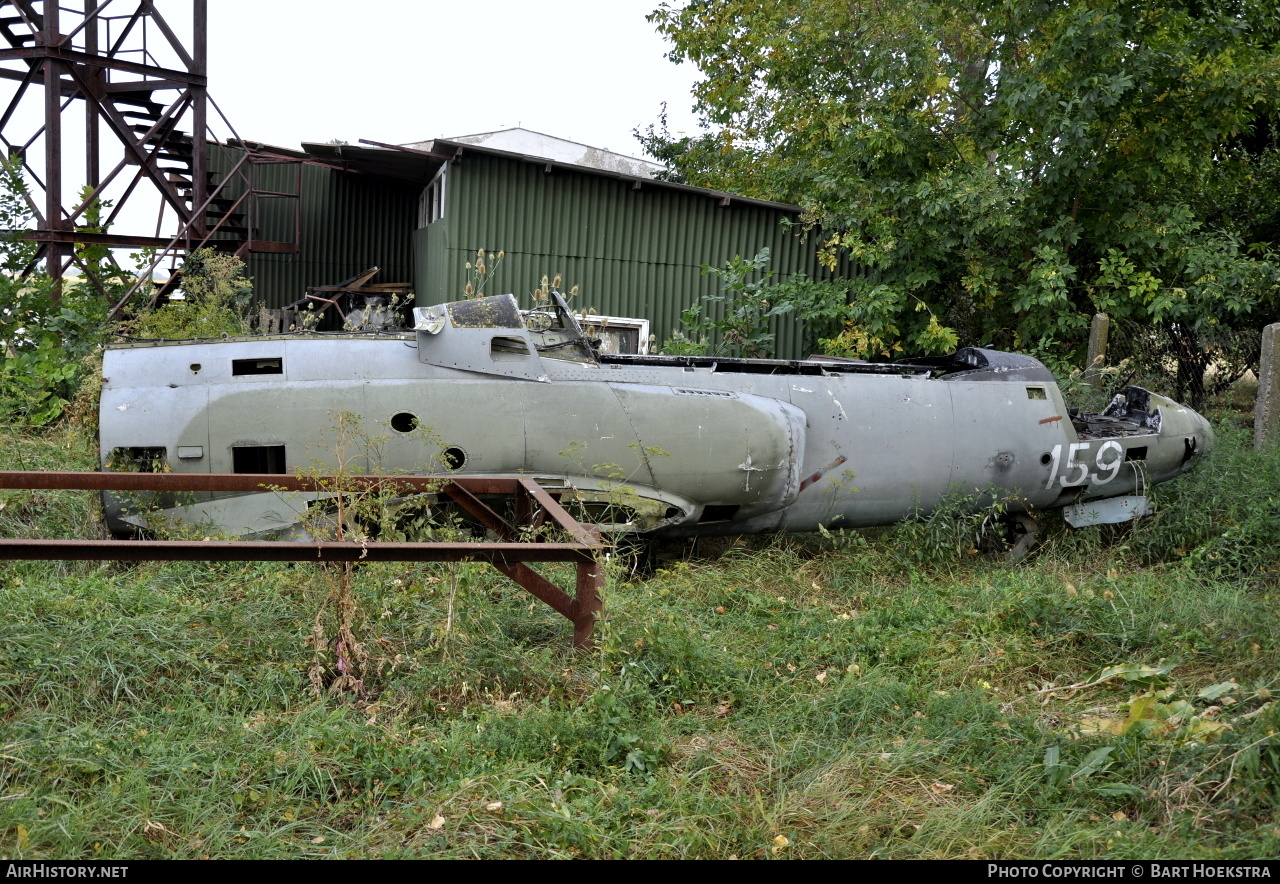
x=176 y=43
x=97 y=79
x=69 y=56
x=537 y=585
x=68 y=89
x=52 y=144
x=476 y=507
x=587 y=604
x=501 y=554
x=461 y=489
x=270 y=247
x=29 y=15
x=108 y=481
x=524 y=511
x=583 y=609
x=77 y=237
x=140 y=85
x=124 y=33
x=414 y=150
x=552 y=507
x=199 y=108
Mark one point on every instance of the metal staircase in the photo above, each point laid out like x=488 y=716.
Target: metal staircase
x=123 y=63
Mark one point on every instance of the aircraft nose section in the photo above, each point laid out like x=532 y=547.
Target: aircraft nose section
x=1201 y=440
x=1187 y=436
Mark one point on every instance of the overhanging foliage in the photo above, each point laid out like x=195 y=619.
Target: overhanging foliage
x=1005 y=170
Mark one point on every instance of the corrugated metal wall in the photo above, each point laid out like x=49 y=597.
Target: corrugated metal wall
x=349 y=223
x=632 y=252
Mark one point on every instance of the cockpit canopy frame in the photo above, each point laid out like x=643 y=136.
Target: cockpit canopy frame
x=491 y=336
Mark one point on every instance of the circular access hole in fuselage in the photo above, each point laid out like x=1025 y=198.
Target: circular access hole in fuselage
x=453 y=458
x=404 y=422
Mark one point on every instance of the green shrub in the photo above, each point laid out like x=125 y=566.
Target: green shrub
x=216 y=298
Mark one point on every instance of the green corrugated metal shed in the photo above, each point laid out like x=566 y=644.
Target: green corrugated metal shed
x=634 y=246
x=349 y=223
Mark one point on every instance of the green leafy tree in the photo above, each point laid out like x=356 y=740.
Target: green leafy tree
x=1003 y=170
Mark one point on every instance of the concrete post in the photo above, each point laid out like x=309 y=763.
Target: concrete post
x=1099 y=329
x=1266 y=413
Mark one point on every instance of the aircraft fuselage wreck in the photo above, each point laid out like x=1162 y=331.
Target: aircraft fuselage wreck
x=673 y=446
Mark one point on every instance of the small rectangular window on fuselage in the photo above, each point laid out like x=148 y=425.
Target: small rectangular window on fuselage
x=270 y=365
x=258 y=459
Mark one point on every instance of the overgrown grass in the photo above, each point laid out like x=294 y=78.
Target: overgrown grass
x=879 y=694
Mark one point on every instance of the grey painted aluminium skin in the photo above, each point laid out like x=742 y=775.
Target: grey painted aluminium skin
x=681 y=445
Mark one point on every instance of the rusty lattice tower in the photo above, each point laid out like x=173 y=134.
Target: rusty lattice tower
x=85 y=83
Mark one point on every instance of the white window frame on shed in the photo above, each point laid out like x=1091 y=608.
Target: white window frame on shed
x=431 y=203
x=603 y=324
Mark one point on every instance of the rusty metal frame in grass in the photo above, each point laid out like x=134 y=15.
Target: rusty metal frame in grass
x=534 y=507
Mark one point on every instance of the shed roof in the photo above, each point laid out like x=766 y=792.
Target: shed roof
x=538 y=144
x=419 y=162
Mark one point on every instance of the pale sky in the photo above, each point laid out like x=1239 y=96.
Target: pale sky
x=286 y=71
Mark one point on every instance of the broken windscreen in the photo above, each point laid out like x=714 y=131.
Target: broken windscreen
x=552 y=329
x=556 y=333
x=499 y=311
